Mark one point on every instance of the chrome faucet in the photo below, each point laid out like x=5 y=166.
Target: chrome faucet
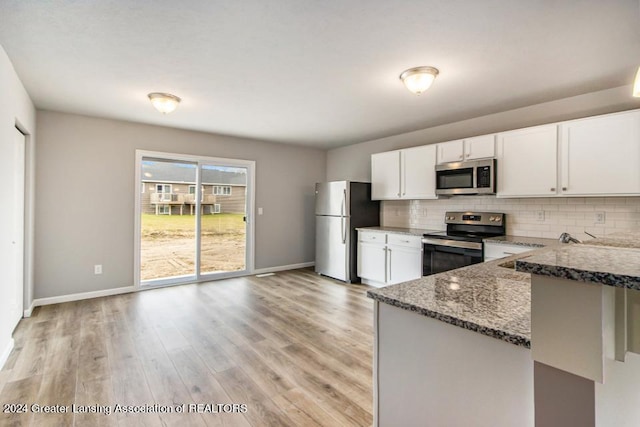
x=567 y=238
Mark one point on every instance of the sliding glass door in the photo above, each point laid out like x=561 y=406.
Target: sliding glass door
x=193 y=218
x=223 y=231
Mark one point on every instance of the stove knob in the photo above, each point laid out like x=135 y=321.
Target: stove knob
x=492 y=219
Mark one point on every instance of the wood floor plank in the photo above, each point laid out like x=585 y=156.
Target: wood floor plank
x=31 y=359
x=296 y=348
x=329 y=396
x=165 y=384
x=243 y=390
x=94 y=403
x=204 y=388
x=129 y=383
x=58 y=386
x=303 y=410
x=24 y=391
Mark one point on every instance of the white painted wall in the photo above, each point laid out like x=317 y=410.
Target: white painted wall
x=15 y=108
x=85 y=193
x=354 y=161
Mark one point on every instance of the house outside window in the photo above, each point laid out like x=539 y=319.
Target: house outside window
x=164 y=210
x=222 y=190
x=165 y=192
x=216 y=208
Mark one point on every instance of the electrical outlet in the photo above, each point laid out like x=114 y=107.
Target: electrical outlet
x=599 y=218
x=540 y=215
x=97 y=269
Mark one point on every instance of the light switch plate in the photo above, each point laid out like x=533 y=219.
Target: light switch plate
x=540 y=215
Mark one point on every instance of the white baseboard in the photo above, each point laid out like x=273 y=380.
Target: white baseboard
x=283 y=267
x=126 y=289
x=5 y=354
x=83 y=295
x=28 y=311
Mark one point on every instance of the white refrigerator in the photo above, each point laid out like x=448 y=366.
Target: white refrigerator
x=341 y=207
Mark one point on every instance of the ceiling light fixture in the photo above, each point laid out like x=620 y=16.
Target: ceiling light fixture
x=636 y=85
x=419 y=79
x=164 y=102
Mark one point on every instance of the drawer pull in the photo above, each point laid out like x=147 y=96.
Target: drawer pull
x=509 y=253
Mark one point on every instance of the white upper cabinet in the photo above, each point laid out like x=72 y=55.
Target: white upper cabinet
x=528 y=162
x=479 y=147
x=419 y=172
x=601 y=155
x=452 y=151
x=385 y=175
x=404 y=174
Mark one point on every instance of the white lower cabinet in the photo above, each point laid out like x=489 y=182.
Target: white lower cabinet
x=500 y=250
x=388 y=258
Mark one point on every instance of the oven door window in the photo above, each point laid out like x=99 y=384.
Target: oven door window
x=454 y=178
x=442 y=258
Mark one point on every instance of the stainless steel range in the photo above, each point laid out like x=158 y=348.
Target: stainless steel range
x=461 y=244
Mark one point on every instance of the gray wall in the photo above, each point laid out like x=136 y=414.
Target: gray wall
x=354 y=161
x=85 y=197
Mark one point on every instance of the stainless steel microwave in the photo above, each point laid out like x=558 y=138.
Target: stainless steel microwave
x=472 y=177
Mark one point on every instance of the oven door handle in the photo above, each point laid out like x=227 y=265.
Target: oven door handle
x=452 y=243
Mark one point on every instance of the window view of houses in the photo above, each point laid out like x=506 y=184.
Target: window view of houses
x=168 y=219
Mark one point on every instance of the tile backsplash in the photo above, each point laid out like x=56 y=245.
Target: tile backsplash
x=539 y=217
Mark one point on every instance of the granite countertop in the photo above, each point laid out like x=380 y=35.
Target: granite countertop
x=613 y=261
x=398 y=230
x=484 y=298
x=533 y=242
x=619 y=240
x=496 y=301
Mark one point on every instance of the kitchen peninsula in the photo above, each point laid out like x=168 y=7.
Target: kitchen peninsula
x=456 y=348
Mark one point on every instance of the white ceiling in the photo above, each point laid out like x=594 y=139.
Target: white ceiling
x=318 y=73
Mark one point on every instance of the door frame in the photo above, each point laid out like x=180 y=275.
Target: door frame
x=29 y=217
x=249 y=213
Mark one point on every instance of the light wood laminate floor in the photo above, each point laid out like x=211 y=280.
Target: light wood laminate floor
x=296 y=348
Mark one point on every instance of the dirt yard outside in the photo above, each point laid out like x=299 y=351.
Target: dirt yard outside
x=168 y=244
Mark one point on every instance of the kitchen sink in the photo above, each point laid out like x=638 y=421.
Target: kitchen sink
x=509 y=264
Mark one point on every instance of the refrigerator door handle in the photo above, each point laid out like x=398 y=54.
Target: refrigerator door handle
x=342 y=222
x=344 y=202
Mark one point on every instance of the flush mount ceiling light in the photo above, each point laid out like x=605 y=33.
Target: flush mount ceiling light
x=419 y=79
x=164 y=102
x=636 y=85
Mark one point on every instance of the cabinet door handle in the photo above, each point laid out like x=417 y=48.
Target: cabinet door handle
x=389 y=261
x=385 y=265
x=461 y=156
x=399 y=172
x=564 y=188
x=553 y=188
